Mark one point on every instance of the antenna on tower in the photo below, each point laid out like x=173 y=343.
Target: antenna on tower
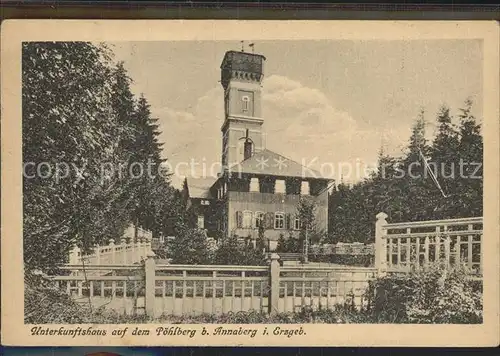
x=252 y=46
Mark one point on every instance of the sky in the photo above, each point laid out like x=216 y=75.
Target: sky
x=328 y=104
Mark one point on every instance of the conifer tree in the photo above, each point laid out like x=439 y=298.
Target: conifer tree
x=470 y=149
x=443 y=161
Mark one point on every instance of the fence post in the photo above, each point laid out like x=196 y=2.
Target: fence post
x=139 y=250
x=132 y=251
x=437 y=246
x=447 y=252
x=274 y=282
x=97 y=252
x=124 y=250
x=149 y=290
x=380 y=242
x=147 y=246
x=136 y=251
x=112 y=252
x=73 y=256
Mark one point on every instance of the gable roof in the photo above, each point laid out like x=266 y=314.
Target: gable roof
x=268 y=162
x=200 y=187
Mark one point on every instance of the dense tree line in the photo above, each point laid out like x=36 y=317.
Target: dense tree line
x=91 y=153
x=403 y=188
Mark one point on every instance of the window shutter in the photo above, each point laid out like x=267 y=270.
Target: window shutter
x=269 y=220
x=288 y=222
x=239 y=219
x=254 y=220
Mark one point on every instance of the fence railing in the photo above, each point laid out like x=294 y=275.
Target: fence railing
x=343 y=249
x=191 y=290
x=113 y=254
x=402 y=246
x=157 y=289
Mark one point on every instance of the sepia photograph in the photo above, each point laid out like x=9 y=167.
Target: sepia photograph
x=245 y=181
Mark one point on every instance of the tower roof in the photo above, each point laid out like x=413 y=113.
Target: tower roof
x=243 y=65
x=243 y=61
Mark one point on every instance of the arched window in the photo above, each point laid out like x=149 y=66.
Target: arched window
x=247 y=219
x=241 y=148
x=296 y=222
x=244 y=103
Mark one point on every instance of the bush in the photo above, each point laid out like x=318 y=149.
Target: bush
x=339 y=315
x=434 y=295
x=231 y=252
x=44 y=304
x=190 y=246
x=345 y=260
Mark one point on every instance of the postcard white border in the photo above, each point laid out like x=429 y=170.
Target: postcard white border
x=14 y=32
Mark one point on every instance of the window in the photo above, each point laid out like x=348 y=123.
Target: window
x=244 y=103
x=279 y=220
x=254 y=185
x=201 y=222
x=304 y=188
x=259 y=219
x=296 y=223
x=240 y=150
x=247 y=219
x=279 y=186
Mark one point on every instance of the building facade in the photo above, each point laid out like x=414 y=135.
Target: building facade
x=257 y=188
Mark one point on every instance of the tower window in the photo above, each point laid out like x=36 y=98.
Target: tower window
x=244 y=103
x=242 y=144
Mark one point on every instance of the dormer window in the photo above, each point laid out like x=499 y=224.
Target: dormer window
x=279 y=186
x=304 y=188
x=244 y=103
x=254 y=185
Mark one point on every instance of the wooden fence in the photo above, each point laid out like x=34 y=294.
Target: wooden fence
x=132 y=248
x=402 y=246
x=157 y=289
x=112 y=254
x=192 y=290
x=343 y=249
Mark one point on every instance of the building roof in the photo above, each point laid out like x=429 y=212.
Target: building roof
x=200 y=187
x=268 y=162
